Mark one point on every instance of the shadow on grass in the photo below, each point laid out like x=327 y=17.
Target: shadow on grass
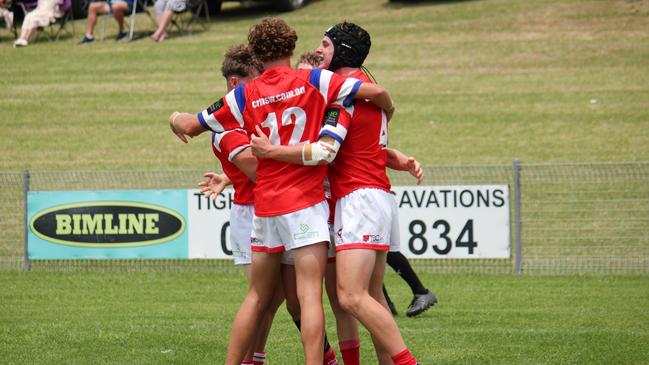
x=402 y=3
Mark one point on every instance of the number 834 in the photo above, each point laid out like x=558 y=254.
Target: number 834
x=442 y=242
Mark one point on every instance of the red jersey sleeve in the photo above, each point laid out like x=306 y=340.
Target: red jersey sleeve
x=230 y=143
x=335 y=123
x=335 y=89
x=226 y=113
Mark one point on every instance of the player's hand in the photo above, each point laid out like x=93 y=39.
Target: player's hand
x=414 y=168
x=214 y=185
x=259 y=144
x=179 y=134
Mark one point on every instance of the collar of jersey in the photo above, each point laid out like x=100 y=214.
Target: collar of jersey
x=275 y=70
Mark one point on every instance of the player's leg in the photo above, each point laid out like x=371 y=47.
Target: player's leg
x=354 y=269
x=346 y=324
x=310 y=263
x=264 y=278
x=377 y=292
x=422 y=297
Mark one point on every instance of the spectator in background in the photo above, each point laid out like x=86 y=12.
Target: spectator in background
x=164 y=10
x=7 y=14
x=117 y=7
x=45 y=13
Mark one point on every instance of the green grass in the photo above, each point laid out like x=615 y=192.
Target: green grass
x=474 y=82
x=157 y=318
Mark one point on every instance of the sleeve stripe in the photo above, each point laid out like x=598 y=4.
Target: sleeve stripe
x=236 y=151
x=349 y=100
x=234 y=109
x=241 y=98
x=314 y=78
x=212 y=123
x=325 y=79
x=202 y=120
x=348 y=88
x=216 y=140
x=332 y=135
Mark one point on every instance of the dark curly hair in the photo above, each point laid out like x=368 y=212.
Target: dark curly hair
x=310 y=58
x=271 y=39
x=239 y=61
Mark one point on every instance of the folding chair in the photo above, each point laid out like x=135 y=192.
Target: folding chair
x=62 y=21
x=9 y=6
x=183 y=20
x=66 y=16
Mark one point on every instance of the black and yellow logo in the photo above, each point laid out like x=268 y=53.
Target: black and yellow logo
x=107 y=224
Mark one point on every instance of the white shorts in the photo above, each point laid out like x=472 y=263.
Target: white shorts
x=293 y=230
x=367 y=218
x=240 y=232
x=287 y=256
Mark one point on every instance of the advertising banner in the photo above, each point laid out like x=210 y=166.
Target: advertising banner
x=107 y=224
x=453 y=221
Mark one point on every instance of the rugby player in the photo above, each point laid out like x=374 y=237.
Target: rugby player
x=290 y=212
x=365 y=224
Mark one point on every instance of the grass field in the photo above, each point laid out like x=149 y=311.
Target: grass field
x=184 y=318
x=474 y=81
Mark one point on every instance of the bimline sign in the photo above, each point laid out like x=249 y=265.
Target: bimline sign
x=452 y=221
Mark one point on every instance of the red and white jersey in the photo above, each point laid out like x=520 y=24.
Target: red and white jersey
x=362 y=158
x=288 y=105
x=225 y=147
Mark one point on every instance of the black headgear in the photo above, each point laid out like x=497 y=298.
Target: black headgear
x=351 y=45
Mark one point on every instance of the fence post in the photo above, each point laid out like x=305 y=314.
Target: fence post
x=517 y=216
x=26 y=262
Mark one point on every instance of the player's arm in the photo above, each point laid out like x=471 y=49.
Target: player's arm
x=214 y=185
x=185 y=124
x=247 y=163
x=324 y=151
x=398 y=161
x=318 y=153
x=378 y=95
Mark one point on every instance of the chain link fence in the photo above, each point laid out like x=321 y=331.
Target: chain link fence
x=566 y=218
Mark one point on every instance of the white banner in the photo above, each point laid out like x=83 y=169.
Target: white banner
x=454 y=221
x=208 y=224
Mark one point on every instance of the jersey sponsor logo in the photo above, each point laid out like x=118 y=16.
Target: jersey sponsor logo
x=372 y=238
x=304 y=233
x=216 y=106
x=331 y=117
x=279 y=97
x=108 y=224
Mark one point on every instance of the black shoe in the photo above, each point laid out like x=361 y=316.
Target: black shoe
x=86 y=40
x=120 y=36
x=420 y=303
x=393 y=309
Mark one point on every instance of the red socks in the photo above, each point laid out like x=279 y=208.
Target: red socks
x=330 y=357
x=351 y=351
x=404 y=358
x=259 y=358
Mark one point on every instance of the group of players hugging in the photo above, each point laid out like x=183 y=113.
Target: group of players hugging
x=306 y=152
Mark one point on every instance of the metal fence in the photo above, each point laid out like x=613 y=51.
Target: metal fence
x=587 y=218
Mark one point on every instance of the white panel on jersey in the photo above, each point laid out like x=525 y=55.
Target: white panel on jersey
x=234 y=107
x=325 y=79
x=214 y=124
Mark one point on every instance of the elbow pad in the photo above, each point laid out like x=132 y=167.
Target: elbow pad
x=320 y=152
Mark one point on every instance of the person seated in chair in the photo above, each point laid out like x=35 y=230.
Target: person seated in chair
x=43 y=15
x=7 y=14
x=117 y=7
x=164 y=10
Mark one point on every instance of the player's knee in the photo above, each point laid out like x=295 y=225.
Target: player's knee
x=349 y=301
